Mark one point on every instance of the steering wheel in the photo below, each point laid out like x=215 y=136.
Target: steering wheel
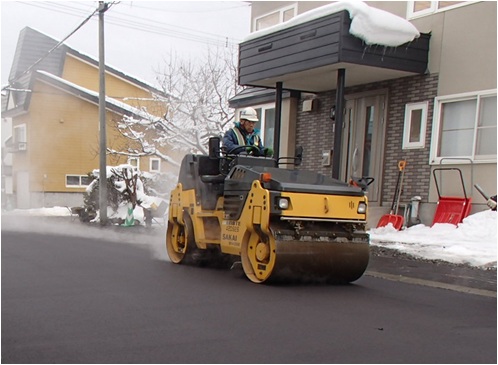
x=252 y=150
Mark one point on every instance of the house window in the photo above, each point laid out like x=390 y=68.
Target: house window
x=274 y=18
x=155 y=165
x=20 y=133
x=135 y=162
x=421 y=8
x=77 y=181
x=465 y=127
x=266 y=124
x=19 y=137
x=415 y=125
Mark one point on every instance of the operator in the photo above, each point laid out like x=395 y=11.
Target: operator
x=244 y=134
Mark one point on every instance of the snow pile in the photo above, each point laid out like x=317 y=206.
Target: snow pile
x=473 y=242
x=127 y=181
x=372 y=25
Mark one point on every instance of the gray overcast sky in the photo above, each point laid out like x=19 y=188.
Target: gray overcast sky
x=138 y=34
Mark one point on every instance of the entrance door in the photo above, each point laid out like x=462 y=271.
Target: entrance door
x=22 y=190
x=363 y=136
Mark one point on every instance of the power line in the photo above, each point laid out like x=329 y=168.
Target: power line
x=187 y=11
x=146 y=25
x=63 y=9
x=150 y=28
x=50 y=51
x=176 y=28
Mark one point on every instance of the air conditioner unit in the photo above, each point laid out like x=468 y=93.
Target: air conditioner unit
x=21 y=146
x=309 y=105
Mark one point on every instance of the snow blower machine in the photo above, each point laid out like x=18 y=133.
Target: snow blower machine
x=279 y=223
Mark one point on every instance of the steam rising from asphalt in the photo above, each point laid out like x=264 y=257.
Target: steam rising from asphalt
x=152 y=239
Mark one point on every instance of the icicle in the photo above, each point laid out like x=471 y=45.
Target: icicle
x=364 y=51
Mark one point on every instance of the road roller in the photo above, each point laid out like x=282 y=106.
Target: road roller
x=275 y=220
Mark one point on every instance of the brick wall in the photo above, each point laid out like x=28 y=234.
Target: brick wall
x=314 y=133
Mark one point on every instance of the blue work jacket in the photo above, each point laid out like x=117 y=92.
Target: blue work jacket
x=237 y=136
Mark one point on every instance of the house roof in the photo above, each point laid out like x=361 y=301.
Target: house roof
x=32 y=45
x=256 y=95
x=88 y=95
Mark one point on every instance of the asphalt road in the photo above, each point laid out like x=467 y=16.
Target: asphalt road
x=76 y=299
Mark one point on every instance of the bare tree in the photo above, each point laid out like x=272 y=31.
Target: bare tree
x=196 y=104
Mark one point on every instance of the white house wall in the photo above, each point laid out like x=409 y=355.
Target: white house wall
x=462 y=53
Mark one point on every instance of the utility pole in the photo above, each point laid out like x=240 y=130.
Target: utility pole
x=102 y=122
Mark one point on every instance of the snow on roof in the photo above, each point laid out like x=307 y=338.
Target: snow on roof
x=138 y=112
x=372 y=25
x=110 y=68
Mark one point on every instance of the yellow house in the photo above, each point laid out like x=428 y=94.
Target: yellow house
x=55 y=121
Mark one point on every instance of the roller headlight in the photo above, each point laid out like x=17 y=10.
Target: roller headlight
x=283 y=203
x=362 y=208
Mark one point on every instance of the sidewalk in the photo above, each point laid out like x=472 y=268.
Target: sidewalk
x=393 y=265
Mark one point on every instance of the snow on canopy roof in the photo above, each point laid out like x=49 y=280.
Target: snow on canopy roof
x=132 y=110
x=372 y=25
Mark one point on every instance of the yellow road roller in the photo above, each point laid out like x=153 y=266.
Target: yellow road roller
x=277 y=220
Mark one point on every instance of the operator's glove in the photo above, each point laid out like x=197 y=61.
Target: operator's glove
x=491 y=203
x=253 y=151
x=268 y=152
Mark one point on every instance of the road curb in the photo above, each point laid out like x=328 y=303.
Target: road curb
x=432 y=284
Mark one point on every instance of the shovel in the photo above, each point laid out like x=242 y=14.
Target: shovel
x=487 y=197
x=483 y=193
x=393 y=217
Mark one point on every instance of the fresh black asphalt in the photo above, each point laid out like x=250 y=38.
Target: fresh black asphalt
x=76 y=299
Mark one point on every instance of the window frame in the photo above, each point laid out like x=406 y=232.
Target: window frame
x=137 y=166
x=23 y=133
x=153 y=159
x=410 y=14
x=280 y=16
x=260 y=109
x=424 y=106
x=436 y=128
x=80 y=177
x=19 y=137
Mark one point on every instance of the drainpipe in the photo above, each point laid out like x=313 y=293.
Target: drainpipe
x=339 y=116
x=278 y=119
